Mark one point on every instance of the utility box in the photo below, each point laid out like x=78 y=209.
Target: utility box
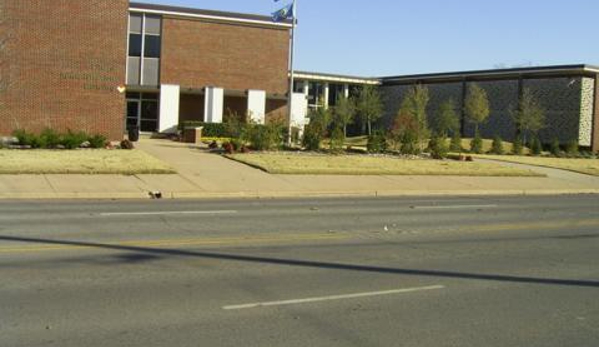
x=192 y=135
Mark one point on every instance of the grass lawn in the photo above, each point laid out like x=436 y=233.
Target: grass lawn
x=586 y=166
x=92 y=161
x=299 y=163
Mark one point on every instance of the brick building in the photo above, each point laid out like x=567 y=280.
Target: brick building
x=62 y=63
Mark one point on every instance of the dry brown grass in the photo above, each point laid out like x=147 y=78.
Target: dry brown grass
x=586 y=166
x=292 y=163
x=89 y=161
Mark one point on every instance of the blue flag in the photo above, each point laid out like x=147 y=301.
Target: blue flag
x=283 y=14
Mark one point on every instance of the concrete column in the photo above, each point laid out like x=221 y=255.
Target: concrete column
x=214 y=104
x=169 y=108
x=299 y=111
x=257 y=106
x=346 y=90
x=306 y=88
x=326 y=95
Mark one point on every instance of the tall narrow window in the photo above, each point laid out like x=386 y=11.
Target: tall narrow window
x=143 y=62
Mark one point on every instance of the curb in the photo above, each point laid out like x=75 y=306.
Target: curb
x=290 y=194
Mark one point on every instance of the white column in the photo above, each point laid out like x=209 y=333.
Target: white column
x=326 y=95
x=257 y=106
x=306 y=88
x=214 y=104
x=299 y=111
x=346 y=90
x=169 y=108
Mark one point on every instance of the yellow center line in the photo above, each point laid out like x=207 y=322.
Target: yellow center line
x=177 y=242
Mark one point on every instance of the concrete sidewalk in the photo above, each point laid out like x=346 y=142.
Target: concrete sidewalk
x=205 y=175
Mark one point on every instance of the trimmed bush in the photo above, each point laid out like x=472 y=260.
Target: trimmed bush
x=497 y=146
x=209 y=129
x=265 y=137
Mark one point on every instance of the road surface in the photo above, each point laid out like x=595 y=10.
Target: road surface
x=512 y=271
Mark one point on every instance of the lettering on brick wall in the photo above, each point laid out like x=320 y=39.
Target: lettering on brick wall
x=97 y=77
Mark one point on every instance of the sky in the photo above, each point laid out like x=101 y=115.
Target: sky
x=396 y=37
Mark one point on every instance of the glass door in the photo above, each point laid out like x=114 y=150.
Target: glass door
x=133 y=113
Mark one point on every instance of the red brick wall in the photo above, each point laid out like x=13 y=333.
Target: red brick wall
x=230 y=56
x=63 y=63
x=276 y=110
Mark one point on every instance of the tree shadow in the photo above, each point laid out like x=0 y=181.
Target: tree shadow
x=151 y=253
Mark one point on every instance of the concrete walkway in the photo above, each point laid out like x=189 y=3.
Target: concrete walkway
x=206 y=175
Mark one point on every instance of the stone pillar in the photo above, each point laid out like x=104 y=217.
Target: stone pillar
x=169 y=108
x=214 y=104
x=257 y=106
x=346 y=90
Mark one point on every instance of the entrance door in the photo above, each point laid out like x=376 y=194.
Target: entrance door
x=133 y=113
x=142 y=111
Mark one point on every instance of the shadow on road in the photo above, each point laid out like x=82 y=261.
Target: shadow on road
x=144 y=253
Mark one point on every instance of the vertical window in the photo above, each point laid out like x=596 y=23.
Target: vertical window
x=143 y=63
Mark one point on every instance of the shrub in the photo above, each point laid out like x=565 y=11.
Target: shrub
x=72 y=140
x=377 y=142
x=555 y=148
x=337 y=140
x=476 y=145
x=49 y=138
x=438 y=146
x=456 y=142
x=517 y=147
x=497 y=146
x=26 y=138
x=264 y=137
x=312 y=137
x=535 y=146
x=97 y=141
x=572 y=148
x=409 y=144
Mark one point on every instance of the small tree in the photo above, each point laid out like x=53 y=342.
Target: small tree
x=530 y=116
x=447 y=120
x=555 y=147
x=344 y=112
x=316 y=130
x=414 y=105
x=438 y=146
x=476 y=145
x=497 y=147
x=535 y=146
x=476 y=106
x=517 y=146
x=456 y=142
x=403 y=124
x=369 y=106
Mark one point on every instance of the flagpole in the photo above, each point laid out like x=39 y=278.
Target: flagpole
x=291 y=77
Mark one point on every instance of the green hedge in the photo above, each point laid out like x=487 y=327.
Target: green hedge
x=210 y=129
x=51 y=139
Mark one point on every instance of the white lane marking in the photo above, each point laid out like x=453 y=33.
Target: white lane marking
x=109 y=214
x=452 y=207
x=332 y=297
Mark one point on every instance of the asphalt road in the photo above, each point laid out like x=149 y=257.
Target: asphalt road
x=514 y=271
